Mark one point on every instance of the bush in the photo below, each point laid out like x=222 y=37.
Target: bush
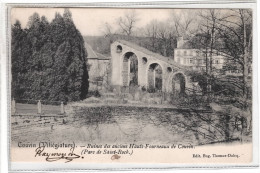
x=94 y=93
x=143 y=88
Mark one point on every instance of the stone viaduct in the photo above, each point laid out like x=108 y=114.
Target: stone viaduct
x=135 y=65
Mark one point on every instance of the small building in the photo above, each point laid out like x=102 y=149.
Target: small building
x=195 y=59
x=98 y=67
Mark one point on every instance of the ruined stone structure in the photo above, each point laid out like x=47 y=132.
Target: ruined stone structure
x=134 y=65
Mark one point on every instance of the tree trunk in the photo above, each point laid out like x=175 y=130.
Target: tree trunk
x=245 y=69
x=165 y=48
x=245 y=77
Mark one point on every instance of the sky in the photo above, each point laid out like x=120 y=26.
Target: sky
x=90 y=21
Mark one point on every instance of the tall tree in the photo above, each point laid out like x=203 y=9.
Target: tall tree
x=161 y=37
x=20 y=52
x=183 y=22
x=151 y=31
x=54 y=59
x=235 y=31
x=165 y=37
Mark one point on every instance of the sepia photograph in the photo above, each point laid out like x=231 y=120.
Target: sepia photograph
x=131 y=84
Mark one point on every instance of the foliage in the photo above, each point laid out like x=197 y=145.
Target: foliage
x=201 y=78
x=49 y=60
x=220 y=85
x=94 y=93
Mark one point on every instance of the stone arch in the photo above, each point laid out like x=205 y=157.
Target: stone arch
x=130 y=69
x=178 y=82
x=154 y=77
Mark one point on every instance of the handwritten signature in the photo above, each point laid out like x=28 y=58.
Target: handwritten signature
x=52 y=157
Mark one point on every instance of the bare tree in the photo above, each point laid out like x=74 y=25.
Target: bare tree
x=183 y=22
x=165 y=35
x=230 y=33
x=151 y=31
x=235 y=30
x=107 y=29
x=161 y=37
x=160 y=33
x=208 y=27
x=127 y=23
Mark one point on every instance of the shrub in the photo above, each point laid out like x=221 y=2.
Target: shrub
x=94 y=93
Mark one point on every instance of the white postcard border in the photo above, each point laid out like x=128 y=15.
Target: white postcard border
x=6 y=90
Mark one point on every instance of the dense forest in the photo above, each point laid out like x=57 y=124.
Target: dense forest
x=48 y=59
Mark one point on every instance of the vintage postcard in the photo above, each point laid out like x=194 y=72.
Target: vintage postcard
x=92 y=85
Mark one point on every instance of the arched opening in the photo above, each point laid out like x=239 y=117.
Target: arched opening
x=169 y=69
x=144 y=60
x=119 y=49
x=178 y=83
x=154 y=77
x=130 y=69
